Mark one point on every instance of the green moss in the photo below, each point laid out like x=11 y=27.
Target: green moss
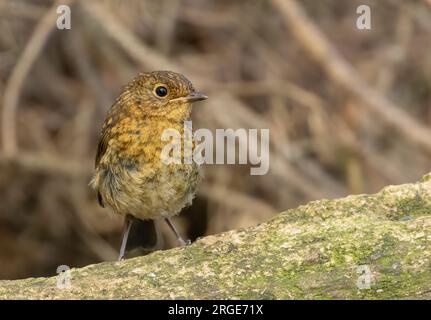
x=411 y=207
x=426 y=178
x=312 y=252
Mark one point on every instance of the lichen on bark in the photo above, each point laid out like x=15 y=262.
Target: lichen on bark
x=321 y=250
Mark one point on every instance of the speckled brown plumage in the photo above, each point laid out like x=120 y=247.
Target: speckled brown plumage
x=130 y=176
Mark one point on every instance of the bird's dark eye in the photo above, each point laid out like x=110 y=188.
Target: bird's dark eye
x=161 y=91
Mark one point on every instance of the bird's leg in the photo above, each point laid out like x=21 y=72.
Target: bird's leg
x=177 y=234
x=126 y=230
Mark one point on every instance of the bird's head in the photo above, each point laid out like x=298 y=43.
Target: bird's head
x=162 y=93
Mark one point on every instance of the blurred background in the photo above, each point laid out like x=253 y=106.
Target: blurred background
x=349 y=111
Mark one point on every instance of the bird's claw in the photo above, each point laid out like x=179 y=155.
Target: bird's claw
x=185 y=243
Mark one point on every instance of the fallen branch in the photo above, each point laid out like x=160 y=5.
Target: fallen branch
x=364 y=246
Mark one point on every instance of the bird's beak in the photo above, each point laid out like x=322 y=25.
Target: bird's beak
x=192 y=97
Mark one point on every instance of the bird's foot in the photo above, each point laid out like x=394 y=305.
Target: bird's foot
x=184 y=243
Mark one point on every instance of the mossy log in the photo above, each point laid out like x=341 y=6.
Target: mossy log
x=359 y=247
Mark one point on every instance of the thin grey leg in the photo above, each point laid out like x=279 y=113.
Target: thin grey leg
x=160 y=242
x=177 y=234
x=126 y=230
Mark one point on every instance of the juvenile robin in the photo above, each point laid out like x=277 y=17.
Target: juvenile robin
x=130 y=174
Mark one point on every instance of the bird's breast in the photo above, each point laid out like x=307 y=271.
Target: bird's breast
x=134 y=179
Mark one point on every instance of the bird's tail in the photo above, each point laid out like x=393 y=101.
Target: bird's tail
x=144 y=237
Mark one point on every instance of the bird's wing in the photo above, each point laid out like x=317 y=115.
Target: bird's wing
x=102 y=146
x=101 y=149
x=112 y=118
